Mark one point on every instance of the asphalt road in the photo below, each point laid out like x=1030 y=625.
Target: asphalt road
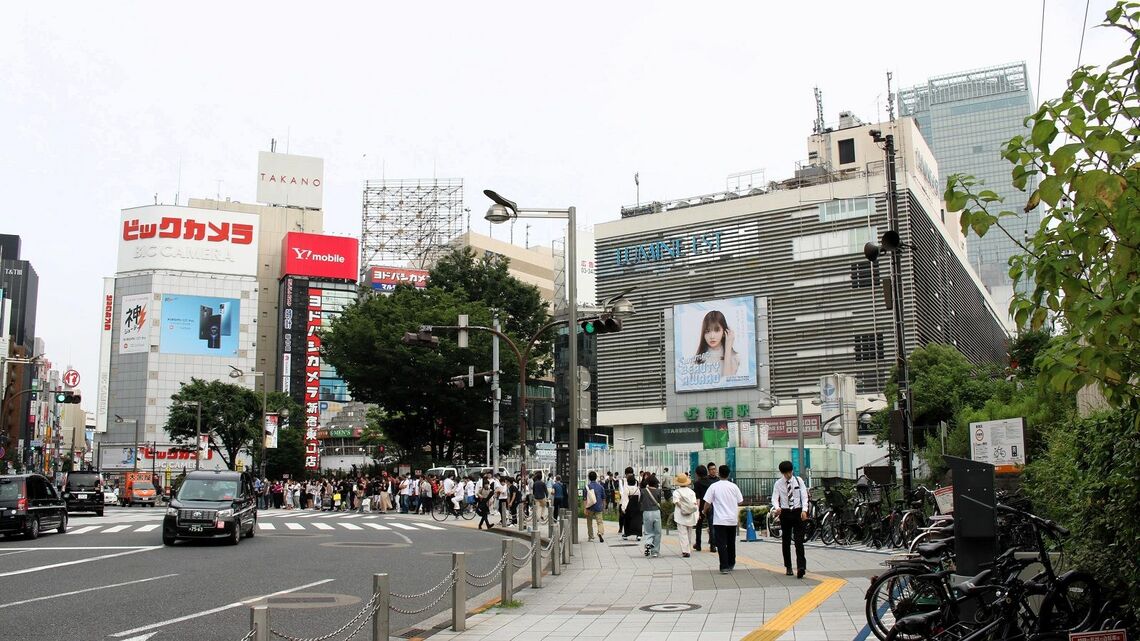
x=125 y=585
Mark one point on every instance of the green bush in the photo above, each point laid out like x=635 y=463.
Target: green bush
x=759 y=513
x=1088 y=479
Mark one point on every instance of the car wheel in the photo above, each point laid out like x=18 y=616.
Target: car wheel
x=33 y=529
x=63 y=524
x=168 y=539
x=236 y=538
x=252 y=528
x=99 y=512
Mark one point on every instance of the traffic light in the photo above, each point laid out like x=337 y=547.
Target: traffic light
x=422 y=338
x=601 y=325
x=67 y=397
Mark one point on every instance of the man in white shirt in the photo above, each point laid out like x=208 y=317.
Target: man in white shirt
x=723 y=500
x=450 y=493
x=789 y=504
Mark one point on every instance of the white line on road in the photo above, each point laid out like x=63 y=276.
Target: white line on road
x=16 y=552
x=322 y=526
x=203 y=613
x=294 y=526
x=427 y=526
x=117 y=528
x=88 y=560
x=84 y=530
x=266 y=526
x=377 y=526
x=402 y=526
x=101 y=587
x=351 y=526
x=148 y=528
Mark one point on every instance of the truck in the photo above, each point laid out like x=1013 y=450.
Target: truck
x=138 y=488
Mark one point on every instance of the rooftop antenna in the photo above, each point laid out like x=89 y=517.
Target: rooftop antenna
x=528 y=235
x=890 y=98
x=637 y=186
x=272 y=145
x=818 y=128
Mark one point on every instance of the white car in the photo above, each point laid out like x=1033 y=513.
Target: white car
x=110 y=496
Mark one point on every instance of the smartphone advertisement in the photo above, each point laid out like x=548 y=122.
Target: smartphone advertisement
x=199 y=325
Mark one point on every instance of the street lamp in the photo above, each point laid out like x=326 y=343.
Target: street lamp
x=627 y=440
x=605 y=436
x=238 y=373
x=500 y=212
x=120 y=419
x=488 y=433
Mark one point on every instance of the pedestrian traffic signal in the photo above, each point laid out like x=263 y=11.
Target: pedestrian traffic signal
x=67 y=397
x=601 y=325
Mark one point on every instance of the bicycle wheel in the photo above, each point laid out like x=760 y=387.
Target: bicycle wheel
x=439 y=510
x=827 y=529
x=1071 y=605
x=811 y=528
x=773 y=525
x=899 y=593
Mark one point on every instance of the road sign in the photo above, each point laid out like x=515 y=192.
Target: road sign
x=71 y=378
x=999 y=443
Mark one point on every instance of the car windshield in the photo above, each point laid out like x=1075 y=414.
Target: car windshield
x=208 y=490
x=80 y=481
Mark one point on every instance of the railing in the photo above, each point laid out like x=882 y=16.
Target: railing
x=756 y=491
x=381 y=604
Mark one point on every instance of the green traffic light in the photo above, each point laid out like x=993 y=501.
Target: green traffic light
x=61 y=398
x=589 y=327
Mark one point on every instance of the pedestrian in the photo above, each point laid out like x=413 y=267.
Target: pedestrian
x=722 y=504
x=700 y=488
x=666 y=485
x=483 y=497
x=541 y=496
x=631 y=499
x=610 y=488
x=501 y=496
x=789 y=500
x=559 y=491
x=593 y=502
x=651 y=516
x=685 y=512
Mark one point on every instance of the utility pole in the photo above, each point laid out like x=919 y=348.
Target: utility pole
x=496 y=391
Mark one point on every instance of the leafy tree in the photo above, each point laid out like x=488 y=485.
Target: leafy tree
x=1084 y=259
x=1024 y=350
x=231 y=417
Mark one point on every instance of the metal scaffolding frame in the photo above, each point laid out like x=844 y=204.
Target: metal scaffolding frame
x=409 y=222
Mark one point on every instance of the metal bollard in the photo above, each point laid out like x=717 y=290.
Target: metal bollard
x=380 y=618
x=259 y=622
x=536 y=560
x=555 y=550
x=569 y=538
x=519 y=517
x=549 y=525
x=507 y=579
x=533 y=513
x=459 y=592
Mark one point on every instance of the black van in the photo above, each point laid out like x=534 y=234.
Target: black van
x=211 y=504
x=29 y=505
x=83 y=492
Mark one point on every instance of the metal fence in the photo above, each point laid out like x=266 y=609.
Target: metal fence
x=756 y=491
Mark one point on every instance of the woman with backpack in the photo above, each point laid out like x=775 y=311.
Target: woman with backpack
x=685 y=513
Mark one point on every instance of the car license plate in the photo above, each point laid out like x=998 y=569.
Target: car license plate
x=82 y=496
x=195 y=528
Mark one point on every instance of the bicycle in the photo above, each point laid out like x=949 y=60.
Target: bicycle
x=442 y=508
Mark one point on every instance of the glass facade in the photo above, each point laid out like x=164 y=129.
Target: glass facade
x=967 y=118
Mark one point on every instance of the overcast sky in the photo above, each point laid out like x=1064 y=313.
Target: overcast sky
x=550 y=104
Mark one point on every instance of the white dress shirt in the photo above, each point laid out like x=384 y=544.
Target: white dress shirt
x=796 y=498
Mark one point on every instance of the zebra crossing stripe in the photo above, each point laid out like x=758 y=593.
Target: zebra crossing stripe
x=322 y=526
x=117 y=528
x=84 y=530
x=351 y=526
x=266 y=526
x=428 y=526
x=148 y=528
x=294 y=526
x=402 y=526
x=377 y=526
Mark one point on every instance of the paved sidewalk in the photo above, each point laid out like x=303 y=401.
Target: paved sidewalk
x=608 y=589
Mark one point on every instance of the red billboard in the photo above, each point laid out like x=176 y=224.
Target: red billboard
x=320 y=256
x=313 y=382
x=385 y=279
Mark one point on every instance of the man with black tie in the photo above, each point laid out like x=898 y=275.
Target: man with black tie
x=789 y=503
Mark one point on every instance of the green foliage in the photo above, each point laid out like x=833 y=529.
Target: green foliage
x=1083 y=258
x=1024 y=350
x=420 y=413
x=231 y=417
x=1086 y=479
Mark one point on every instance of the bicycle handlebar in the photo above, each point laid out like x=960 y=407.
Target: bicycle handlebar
x=1049 y=526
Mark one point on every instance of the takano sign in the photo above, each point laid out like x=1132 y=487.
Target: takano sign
x=187 y=239
x=290 y=181
x=320 y=256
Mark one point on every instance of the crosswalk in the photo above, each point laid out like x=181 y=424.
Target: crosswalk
x=268 y=522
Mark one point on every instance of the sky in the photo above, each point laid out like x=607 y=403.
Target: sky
x=105 y=106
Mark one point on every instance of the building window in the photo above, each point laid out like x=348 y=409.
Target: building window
x=847 y=151
x=861 y=274
x=868 y=347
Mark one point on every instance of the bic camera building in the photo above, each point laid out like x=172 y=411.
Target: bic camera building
x=782 y=269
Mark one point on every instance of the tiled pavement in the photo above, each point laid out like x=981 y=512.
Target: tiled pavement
x=606 y=591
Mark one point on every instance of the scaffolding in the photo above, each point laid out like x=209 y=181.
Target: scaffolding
x=409 y=223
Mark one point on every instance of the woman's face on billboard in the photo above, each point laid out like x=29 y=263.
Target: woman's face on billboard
x=714 y=335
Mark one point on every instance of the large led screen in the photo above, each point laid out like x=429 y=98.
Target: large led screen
x=200 y=325
x=714 y=344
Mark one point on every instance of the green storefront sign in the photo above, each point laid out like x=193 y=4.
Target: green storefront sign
x=713 y=413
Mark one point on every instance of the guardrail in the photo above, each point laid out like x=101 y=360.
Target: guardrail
x=378 y=608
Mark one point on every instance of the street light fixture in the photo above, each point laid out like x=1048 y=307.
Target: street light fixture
x=605 y=436
x=236 y=372
x=501 y=211
x=627 y=440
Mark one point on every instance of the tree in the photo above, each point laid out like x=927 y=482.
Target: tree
x=231 y=417
x=421 y=411
x=1084 y=259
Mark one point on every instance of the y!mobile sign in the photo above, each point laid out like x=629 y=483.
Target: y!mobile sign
x=188 y=239
x=320 y=256
x=291 y=181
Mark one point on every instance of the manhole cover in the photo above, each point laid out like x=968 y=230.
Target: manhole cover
x=670 y=607
x=308 y=601
x=363 y=544
x=301 y=599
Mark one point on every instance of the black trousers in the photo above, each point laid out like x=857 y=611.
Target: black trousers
x=792 y=526
x=725 y=538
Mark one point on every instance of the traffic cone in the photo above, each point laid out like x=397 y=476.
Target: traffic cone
x=749 y=528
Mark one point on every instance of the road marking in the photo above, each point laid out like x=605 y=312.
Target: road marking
x=294 y=526
x=84 y=530
x=148 y=528
x=116 y=528
x=351 y=526
x=377 y=526
x=89 y=560
x=330 y=515
x=352 y=516
x=322 y=526
x=428 y=526
x=266 y=526
x=402 y=526
x=101 y=587
x=222 y=608
x=15 y=552
x=778 y=625
x=373 y=516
